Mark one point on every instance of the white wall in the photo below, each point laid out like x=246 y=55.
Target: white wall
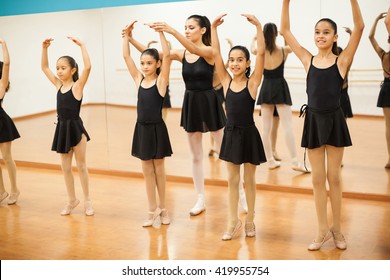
x=110 y=82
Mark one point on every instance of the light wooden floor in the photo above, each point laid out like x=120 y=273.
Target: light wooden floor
x=286 y=223
x=285 y=215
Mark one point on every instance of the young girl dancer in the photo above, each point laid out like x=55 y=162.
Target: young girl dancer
x=201 y=111
x=151 y=141
x=70 y=135
x=325 y=131
x=384 y=94
x=8 y=131
x=241 y=140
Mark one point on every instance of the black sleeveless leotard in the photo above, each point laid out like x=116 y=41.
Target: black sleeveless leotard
x=324 y=121
x=69 y=127
x=8 y=131
x=241 y=140
x=274 y=88
x=151 y=139
x=201 y=111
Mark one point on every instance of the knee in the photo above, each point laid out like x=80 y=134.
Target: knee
x=82 y=167
x=67 y=169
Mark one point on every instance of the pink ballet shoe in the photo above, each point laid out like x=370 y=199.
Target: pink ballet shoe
x=156 y=213
x=339 y=241
x=69 y=207
x=314 y=246
x=13 y=198
x=229 y=235
x=164 y=217
x=3 y=196
x=88 y=208
x=250 y=229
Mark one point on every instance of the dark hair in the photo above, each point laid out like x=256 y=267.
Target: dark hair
x=339 y=50
x=1 y=74
x=203 y=21
x=153 y=53
x=72 y=64
x=334 y=26
x=270 y=33
x=247 y=57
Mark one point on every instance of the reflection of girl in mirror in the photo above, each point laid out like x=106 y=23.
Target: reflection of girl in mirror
x=325 y=131
x=151 y=141
x=201 y=111
x=275 y=93
x=167 y=97
x=241 y=140
x=70 y=135
x=384 y=94
x=8 y=131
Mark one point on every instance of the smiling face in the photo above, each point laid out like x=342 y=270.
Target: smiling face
x=324 y=35
x=238 y=62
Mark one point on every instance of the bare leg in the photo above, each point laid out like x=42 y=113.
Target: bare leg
x=274 y=137
x=317 y=159
x=11 y=167
x=267 y=116
x=66 y=165
x=150 y=182
x=386 y=112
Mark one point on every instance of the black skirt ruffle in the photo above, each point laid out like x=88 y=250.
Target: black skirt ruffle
x=384 y=94
x=274 y=91
x=345 y=103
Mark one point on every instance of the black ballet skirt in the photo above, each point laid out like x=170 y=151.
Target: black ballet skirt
x=8 y=131
x=241 y=141
x=324 y=127
x=150 y=139
x=384 y=94
x=69 y=128
x=345 y=103
x=220 y=94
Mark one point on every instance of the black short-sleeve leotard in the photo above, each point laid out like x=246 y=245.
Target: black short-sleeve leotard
x=150 y=139
x=241 y=141
x=8 y=131
x=69 y=128
x=324 y=121
x=201 y=111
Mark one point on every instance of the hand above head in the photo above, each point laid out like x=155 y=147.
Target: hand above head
x=128 y=30
x=75 y=40
x=348 y=30
x=2 y=40
x=46 y=43
x=381 y=15
x=218 y=21
x=160 y=26
x=252 y=19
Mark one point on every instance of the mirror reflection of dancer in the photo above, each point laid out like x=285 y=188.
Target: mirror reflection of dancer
x=70 y=136
x=151 y=142
x=384 y=94
x=325 y=131
x=274 y=92
x=8 y=131
x=241 y=140
x=201 y=111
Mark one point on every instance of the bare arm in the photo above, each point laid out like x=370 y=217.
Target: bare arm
x=163 y=77
x=387 y=21
x=203 y=51
x=5 y=71
x=346 y=57
x=253 y=45
x=45 y=64
x=133 y=70
x=220 y=69
x=303 y=54
x=80 y=83
x=255 y=79
x=371 y=36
